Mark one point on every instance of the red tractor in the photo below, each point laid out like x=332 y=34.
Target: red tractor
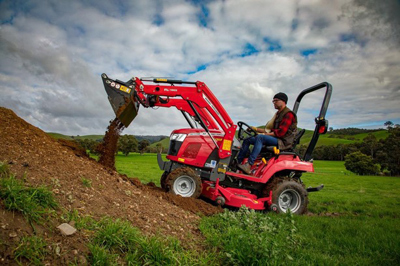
x=201 y=159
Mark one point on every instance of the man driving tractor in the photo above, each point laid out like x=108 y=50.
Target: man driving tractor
x=199 y=158
x=280 y=131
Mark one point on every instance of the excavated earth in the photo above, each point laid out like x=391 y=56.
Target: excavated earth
x=38 y=159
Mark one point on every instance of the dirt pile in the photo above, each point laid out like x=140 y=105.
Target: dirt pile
x=40 y=160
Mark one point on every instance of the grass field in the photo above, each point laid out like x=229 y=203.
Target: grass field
x=144 y=166
x=328 y=140
x=61 y=136
x=354 y=220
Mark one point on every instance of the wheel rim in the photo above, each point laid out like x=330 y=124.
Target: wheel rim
x=289 y=199
x=184 y=186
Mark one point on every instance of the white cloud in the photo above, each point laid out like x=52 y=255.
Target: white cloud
x=52 y=55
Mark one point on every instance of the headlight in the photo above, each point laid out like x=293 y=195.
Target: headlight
x=178 y=137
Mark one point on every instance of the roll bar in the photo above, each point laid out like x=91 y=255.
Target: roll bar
x=321 y=124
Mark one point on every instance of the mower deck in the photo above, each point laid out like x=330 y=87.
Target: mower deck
x=234 y=197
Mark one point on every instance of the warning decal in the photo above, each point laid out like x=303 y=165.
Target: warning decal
x=125 y=89
x=226 y=146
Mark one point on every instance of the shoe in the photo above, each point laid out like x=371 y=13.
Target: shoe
x=246 y=168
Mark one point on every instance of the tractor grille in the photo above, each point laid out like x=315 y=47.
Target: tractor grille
x=174 y=147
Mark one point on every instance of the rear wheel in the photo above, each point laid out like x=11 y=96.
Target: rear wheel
x=289 y=195
x=184 y=182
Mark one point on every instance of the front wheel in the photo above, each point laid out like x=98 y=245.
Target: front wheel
x=184 y=182
x=289 y=195
x=163 y=180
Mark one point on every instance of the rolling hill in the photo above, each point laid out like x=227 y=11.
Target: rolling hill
x=334 y=139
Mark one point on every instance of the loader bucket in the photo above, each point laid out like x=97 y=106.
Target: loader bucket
x=122 y=99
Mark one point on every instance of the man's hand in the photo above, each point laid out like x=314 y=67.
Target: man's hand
x=249 y=129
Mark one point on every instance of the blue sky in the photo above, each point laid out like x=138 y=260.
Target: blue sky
x=53 y=52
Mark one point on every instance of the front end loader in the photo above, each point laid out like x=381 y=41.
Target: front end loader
x=201 y=159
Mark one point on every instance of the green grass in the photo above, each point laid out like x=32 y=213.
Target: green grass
x=61 y=136
x=247 y=237
x=356 y=218
x=35 y=203
x=118 y=242
x=382 y=134
x=86 y=182
x=144 y=166
x=32 y=249
x=350 y=194
x=328 y=140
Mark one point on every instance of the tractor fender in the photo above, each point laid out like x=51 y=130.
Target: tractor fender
x=286 y=165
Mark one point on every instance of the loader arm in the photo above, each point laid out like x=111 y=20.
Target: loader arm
x=193 y=98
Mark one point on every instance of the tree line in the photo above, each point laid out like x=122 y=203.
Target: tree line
x=126 y=145
x=372 y=156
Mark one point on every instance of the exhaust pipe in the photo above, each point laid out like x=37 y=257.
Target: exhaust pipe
x=121 y=96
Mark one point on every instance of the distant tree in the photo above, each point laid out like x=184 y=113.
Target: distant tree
x=341 y=150
x=127 y=144
x=392 y=146
x=93 y=148
x=330 y=129
x=87 y=144
x=370 y=145
x=361 y=164
x=143 y=144
x=388 y=124
x=352 y=131
x=159 y=147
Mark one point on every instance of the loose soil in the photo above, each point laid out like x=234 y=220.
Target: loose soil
x=38 y=159
x=108 y=147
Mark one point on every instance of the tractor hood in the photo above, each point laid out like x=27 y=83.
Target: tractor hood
x=121 y=96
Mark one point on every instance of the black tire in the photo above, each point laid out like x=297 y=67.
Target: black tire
x=290 y=195
x=163 y=179
x=184 y=182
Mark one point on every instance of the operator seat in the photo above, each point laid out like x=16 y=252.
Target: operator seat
x=268 y=151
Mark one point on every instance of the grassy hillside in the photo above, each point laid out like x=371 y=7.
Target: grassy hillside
x=61 y=136
x=164 y=143
x=58 y=136
x=331 y=139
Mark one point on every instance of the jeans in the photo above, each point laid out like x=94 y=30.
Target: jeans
x=258 y=141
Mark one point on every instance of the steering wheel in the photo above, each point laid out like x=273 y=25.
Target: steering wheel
x=248 y=130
